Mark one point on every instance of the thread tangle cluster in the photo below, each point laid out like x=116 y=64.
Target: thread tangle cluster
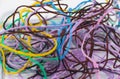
x=54 y=41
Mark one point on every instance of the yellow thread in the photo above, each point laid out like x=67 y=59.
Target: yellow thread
x=28 y=41
x=30 y=54
x=29 y=10
x=107 y=0
x=18 y=71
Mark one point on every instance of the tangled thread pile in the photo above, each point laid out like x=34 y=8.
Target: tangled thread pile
x=54 y=41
